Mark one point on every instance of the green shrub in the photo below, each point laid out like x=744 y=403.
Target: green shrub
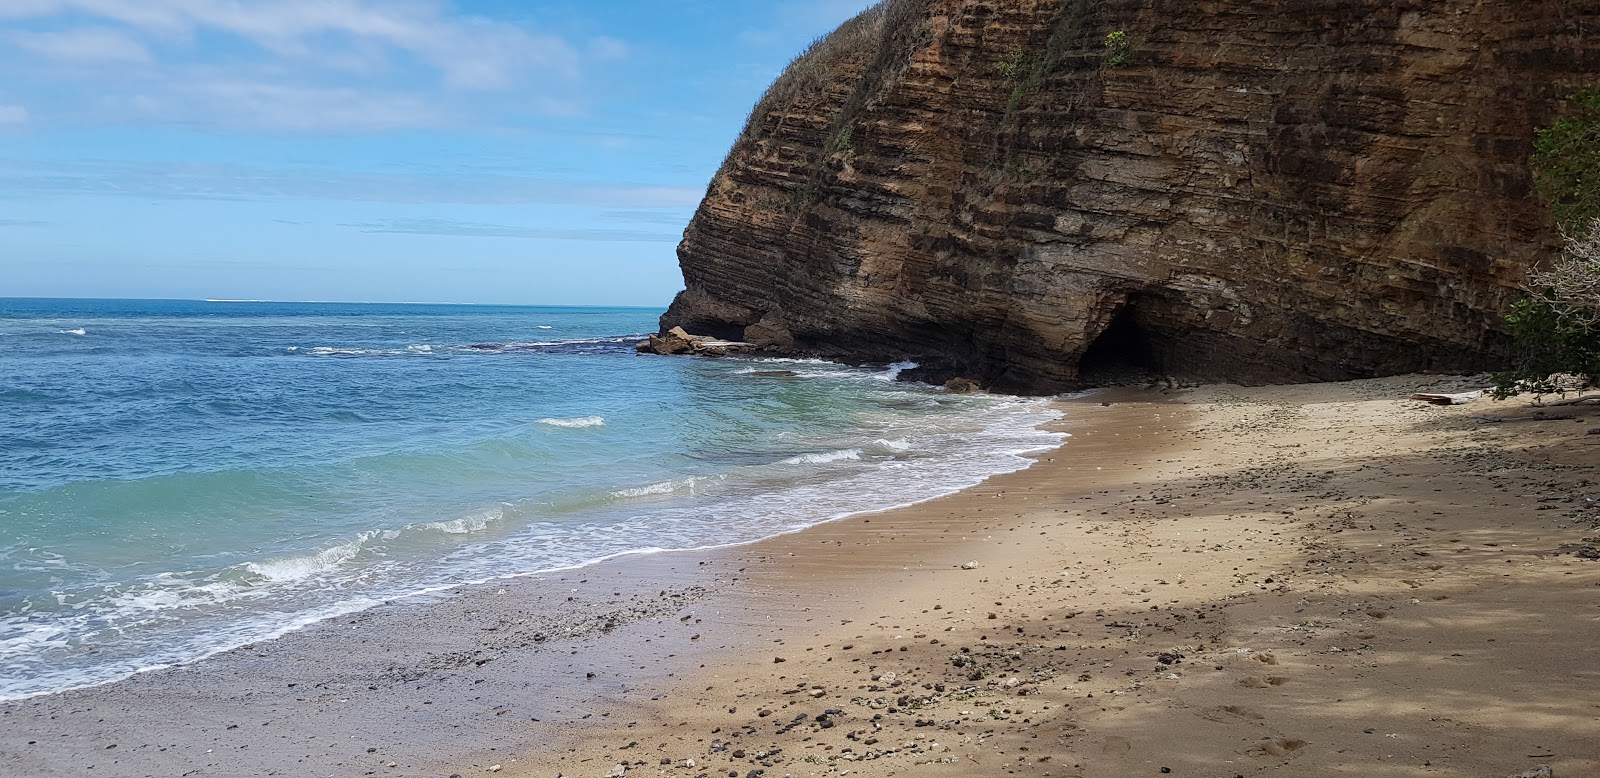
x=1566 y=162
x=1119 y=50
x=1557 y=328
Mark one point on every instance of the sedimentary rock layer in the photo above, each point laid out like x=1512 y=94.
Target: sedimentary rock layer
x=1248 y=190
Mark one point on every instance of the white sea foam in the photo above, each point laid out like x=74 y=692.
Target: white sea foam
x=79 y=332
x=939 y=446
x=546 y=327
x=334 y=351
x=894 y=371
x=825 y=457
x=586 y=421
x=32 y=638
x=467 y=525
x=298 y=568
x=684 y=486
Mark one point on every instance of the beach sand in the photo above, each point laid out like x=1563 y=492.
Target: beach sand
x=1303 y=581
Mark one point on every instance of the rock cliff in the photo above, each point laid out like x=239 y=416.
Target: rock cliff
x=1245 y=190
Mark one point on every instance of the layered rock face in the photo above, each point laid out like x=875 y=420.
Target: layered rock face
x=1248 y=190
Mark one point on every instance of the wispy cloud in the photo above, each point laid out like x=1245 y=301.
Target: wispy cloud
x=240 y=182
x=468 y=229
x=23 y=223
x=343 y=65
x=676 y=219
x=82 y=45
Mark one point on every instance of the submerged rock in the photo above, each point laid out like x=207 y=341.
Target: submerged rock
x=678 y=341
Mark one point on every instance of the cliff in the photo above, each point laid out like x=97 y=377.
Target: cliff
x=1245 y=190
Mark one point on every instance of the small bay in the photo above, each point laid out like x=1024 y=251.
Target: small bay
x=179 y=478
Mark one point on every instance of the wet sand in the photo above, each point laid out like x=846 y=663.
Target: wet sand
x=1314 y=580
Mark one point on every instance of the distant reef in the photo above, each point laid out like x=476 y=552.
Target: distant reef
x=1036 y=194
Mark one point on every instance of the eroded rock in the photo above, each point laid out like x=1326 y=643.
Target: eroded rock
x=1256 y=196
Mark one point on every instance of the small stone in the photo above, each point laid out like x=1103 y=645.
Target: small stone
x=494 y=768
x=1542 y=771
x=973 y=565
x=617 y=772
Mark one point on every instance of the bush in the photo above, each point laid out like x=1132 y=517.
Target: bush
x=1119 y=50
x=1566 y=162
x=1557 y=329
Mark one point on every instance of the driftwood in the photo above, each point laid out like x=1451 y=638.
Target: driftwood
x=1449 y=399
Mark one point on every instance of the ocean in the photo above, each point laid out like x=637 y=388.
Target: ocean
x=178 y=478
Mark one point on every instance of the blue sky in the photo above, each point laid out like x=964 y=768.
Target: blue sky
x=474 y=151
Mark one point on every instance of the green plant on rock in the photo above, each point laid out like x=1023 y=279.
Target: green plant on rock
x=1012 y=67
x=1566 y=162
x=1556 y=330
x=844 y=141
x=1119 y=50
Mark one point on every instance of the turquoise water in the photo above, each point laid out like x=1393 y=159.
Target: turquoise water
x=178 y=478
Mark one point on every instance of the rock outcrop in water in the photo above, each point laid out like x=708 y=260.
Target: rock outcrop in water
x=1248 y=190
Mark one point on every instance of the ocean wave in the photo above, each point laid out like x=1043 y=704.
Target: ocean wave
x=467 y=525
x=542 y=345
x=825 y=457
x=894 y=370
x=29 y=638
x=586 y=421
x=79 y=332
x=683 y=486
x=298 y=568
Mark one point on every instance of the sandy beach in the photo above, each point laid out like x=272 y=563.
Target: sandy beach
x=1303 y=581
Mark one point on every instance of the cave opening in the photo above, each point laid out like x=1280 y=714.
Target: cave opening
x=1125 y=351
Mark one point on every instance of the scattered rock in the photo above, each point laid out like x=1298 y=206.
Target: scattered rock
x=973 y=565
x=963 y=386
x=1542 y=771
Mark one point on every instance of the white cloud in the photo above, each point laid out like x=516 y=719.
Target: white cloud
x=242 y=182
x=345 y=65
x=13 y=114
x=467 y=229
x=83 y=45
x=471 y=52
x=269 y=106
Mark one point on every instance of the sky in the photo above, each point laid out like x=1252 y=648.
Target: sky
x=477 y=151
